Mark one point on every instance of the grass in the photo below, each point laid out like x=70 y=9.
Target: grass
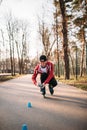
x=7 y=77
x=81 y=82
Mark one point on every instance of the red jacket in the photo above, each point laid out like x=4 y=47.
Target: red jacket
x=50 y=72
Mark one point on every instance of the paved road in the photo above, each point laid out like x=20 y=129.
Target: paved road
x=65 y=110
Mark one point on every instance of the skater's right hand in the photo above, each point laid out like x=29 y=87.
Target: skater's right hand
x=35 y=83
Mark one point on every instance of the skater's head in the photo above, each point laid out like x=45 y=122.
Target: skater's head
x=43 y=60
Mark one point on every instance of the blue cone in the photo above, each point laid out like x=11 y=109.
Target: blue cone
x=24 y=127
x=29 y=105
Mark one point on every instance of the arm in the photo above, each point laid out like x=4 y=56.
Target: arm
x=35 y=75
x=51 y=75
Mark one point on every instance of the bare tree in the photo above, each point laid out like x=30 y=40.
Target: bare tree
x=18 y=42
x=10 y=43
x=46 y=37
x=22 y=45
x=3 y=57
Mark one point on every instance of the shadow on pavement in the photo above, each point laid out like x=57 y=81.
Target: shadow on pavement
x=68 y=100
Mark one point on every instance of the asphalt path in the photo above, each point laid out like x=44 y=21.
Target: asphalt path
x=65 y=110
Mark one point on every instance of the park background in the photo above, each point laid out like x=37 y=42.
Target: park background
x=56 y=28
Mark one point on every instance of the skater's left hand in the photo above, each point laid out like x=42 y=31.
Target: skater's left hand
x=43 y=84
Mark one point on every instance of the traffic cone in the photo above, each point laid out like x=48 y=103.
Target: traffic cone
x=29 y=104
x=24 y=127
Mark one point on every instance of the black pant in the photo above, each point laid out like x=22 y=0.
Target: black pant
x=52 y=83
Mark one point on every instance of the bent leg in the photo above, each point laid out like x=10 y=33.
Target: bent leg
x=43 y=91
x=43 y=77
x=51 y=89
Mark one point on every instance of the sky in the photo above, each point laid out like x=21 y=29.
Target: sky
x=26 y=10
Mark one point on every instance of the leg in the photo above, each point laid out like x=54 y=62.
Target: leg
x=52 y=84
x=43 y=78
x=43 y=91
x=51 y=89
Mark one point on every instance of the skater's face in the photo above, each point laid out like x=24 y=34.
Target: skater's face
x=43 y=63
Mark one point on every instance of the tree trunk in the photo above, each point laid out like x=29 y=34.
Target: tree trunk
x=65 y=40
x=83 y=52
x=11 y=59
x=19 y=64
x=73 y=72
x=86 y=58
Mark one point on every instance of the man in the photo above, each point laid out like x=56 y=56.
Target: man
x=46 y=71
